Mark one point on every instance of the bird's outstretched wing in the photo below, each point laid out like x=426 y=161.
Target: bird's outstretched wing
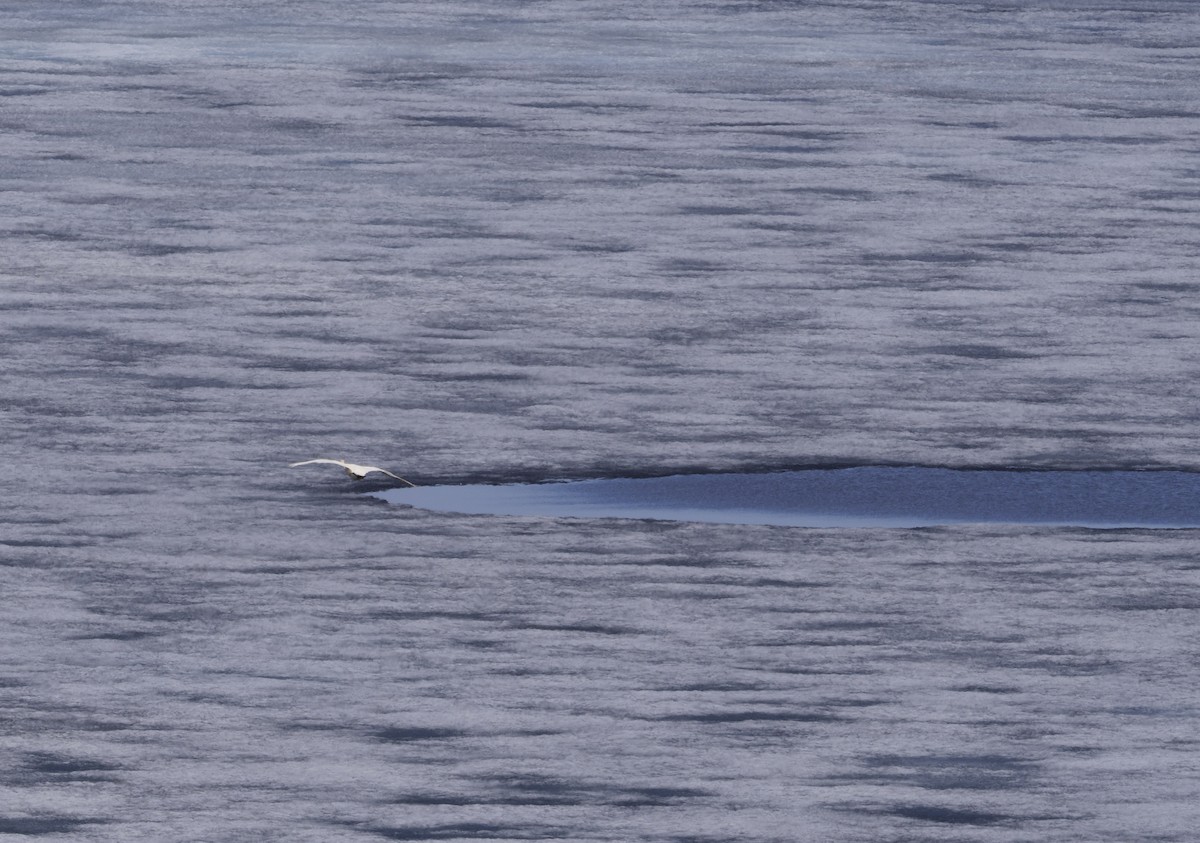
x=396 y=476
x=309 y=462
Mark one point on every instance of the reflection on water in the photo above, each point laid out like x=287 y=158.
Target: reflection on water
x=851 y=497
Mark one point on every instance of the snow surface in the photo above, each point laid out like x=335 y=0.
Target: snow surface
x=510 y=241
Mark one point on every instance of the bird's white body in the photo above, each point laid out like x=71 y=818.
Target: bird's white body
x=358 y=472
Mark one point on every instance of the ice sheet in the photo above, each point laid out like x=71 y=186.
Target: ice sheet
x=497 y=242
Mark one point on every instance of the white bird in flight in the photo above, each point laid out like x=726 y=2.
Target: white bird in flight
x=358 y=472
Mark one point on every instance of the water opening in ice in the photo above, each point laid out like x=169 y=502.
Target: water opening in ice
x=849 y=497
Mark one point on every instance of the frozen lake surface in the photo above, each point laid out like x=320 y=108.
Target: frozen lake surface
x=496 y=242
x=848 y=497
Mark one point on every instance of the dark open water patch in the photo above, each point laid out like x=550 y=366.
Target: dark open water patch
x=406 y=734
x=950 y=771
x=41 y=767
x=752 y=716
x=461 y=831
x=37 y=826
x=952 y=816
x=848 y=497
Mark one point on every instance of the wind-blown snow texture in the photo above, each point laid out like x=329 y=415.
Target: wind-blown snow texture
x=473 y=241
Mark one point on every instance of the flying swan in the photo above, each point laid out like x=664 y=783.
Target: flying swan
x=358 y=472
